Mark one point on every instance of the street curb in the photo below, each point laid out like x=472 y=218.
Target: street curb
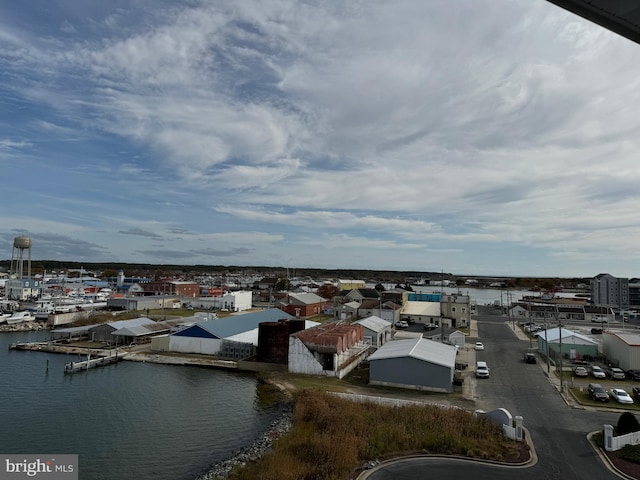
x=533 y=459
x=605 y=460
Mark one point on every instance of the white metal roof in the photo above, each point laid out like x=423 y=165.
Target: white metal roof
x=632 y=339
x=419 y=348
x=568 y=337
x=429 y=309
x=134 y=322
x=374 y=323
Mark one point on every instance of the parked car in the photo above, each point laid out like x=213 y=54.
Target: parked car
x=597 y=372
x=633 y=374
x=596 y=392
x=581 y=372
x=621 y=395
x=402 y=324
x=636 y=392
x=529 y=358
x=479 y=346
x=596 y=331
x=482 y=370
x=615 y=373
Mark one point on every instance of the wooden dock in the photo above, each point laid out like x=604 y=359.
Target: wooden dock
x=73 y=367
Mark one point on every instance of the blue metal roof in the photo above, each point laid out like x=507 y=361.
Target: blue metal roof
x=233 y=324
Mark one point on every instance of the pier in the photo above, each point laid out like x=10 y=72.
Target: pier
x=101 y=358
x=73 y=367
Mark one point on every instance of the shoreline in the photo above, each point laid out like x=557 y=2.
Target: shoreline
x=260 y=446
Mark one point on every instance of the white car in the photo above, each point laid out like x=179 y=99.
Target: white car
x=597 y=372
x=581 y=372
x=479 y=346
x=620 y=395
x=402 y=324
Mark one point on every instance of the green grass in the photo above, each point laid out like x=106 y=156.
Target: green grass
x=332 y=437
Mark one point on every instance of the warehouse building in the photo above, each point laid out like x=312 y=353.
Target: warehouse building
x=414 y=363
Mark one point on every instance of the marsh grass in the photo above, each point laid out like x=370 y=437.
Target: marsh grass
x=332 y=437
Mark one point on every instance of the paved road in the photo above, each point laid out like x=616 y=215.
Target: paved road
x=557 y=430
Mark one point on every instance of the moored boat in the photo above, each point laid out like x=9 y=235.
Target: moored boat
x=19 y=317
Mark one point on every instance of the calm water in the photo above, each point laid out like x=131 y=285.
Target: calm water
x=126 y=421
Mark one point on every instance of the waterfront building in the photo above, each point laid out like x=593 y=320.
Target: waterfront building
x=331 y=349
x=610 y=291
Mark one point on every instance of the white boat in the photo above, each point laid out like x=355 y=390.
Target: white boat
x=43 y=309
x=19 y=317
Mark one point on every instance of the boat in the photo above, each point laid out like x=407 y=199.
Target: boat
x=19 y=317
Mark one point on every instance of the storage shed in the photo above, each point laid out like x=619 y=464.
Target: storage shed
x=376 y=329
x=416 y=363
x=622 y=348
x=574 y=345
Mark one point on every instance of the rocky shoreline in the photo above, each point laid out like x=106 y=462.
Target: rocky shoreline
x=258 y=448
x=30 y=326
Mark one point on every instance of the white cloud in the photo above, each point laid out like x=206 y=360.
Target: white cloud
x=453 y=126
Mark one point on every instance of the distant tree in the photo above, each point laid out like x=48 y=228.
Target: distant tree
x=328 y=291
x=283 y=284
x=627 y=423
x=379 y=287
x=547 y=285
x=109 y=272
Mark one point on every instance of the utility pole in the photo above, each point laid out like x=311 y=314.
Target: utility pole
x=561 y=376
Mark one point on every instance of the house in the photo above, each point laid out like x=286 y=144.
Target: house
x=415 y=363
x=447 y=335
x=622 y=349
x=330 y=349
x=574 y=345
x=206 y=337
x=302 y=304
x=456 y=309
x=358 y=295
x=346 y=311
x=388 y=311
x=376 y=329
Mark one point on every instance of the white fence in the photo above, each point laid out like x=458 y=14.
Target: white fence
x=612 y=443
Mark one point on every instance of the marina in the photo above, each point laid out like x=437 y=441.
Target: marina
x=201 y=415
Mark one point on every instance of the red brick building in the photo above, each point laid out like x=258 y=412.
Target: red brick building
x=172 y=287
x=302 y=304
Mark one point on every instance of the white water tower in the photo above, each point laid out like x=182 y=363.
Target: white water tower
x=20 y=244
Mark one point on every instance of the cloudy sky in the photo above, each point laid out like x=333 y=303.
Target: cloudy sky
x=475 y=137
